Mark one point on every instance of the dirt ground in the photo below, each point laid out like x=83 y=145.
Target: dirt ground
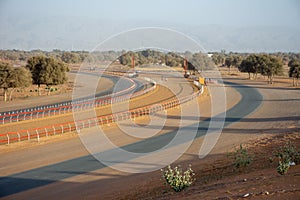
x=216 y=176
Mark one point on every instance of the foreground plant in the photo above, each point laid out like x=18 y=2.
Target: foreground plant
x=283 y=165
x=241 y=157
x=288 y=150
x=177 y=179
x=287 y=155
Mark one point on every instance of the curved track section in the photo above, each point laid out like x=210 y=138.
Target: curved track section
x=127 y=87
x=43 y=176
x=50 y=126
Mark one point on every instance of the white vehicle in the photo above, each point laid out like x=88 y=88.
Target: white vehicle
x=132 y=75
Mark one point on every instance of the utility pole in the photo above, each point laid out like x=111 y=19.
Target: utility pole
x=185 y=65
x=132 y=62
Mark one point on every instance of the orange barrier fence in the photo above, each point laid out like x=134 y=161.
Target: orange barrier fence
x=77 y=106
x=36 y=133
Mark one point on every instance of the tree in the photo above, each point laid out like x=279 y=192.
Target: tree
x=173 y=60
x=47 y=70
x=233 y=60
x=200 y=61
x=21 y=78
x=219 y=58
x=270 y=66
x=250 y=65
x=70 y=57
x=6 y=72
x=236 y=60
x=267 y=65
x=294 y=70
x=126 y=59
x=246 y=66
x=12 y=78
x=229 y=62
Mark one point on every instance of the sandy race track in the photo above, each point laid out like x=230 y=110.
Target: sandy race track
x=62 y=168
x=104 y=84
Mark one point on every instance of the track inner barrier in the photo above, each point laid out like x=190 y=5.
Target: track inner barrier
x=45 y=131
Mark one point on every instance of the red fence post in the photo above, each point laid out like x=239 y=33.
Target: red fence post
x=7 y=138
x=28 y=135
x=37 y=135
x=19 y=137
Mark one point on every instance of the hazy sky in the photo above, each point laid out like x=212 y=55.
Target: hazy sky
x=240 y=13
x=228 y=12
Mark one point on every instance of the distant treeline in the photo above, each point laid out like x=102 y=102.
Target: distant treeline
x=19 y=69
x=65 y=56
x=219 y=58
x=172 y=59
x=267 y=64
x=199 y=60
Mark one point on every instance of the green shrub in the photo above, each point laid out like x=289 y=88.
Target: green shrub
x=288 y=150
x=283 y=165
x=177 y=179
x=286 y=155
x=241 y=157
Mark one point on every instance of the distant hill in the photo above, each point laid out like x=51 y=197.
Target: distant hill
x=248 y=39
x=75 y=33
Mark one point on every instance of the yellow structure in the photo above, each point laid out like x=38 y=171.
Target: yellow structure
x=202 y=80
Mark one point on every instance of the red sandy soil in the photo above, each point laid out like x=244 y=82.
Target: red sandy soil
x=217 y=178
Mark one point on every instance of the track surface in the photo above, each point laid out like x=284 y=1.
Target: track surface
x=125 y=86
x=122 y=89
x=65 y=170
x=156 y=96
x=104 y=85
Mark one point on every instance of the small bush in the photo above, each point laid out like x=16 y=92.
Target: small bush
x=283 y=165
x=288 y=150
x=286 y=155
x=177 y=179
x=241 y=157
